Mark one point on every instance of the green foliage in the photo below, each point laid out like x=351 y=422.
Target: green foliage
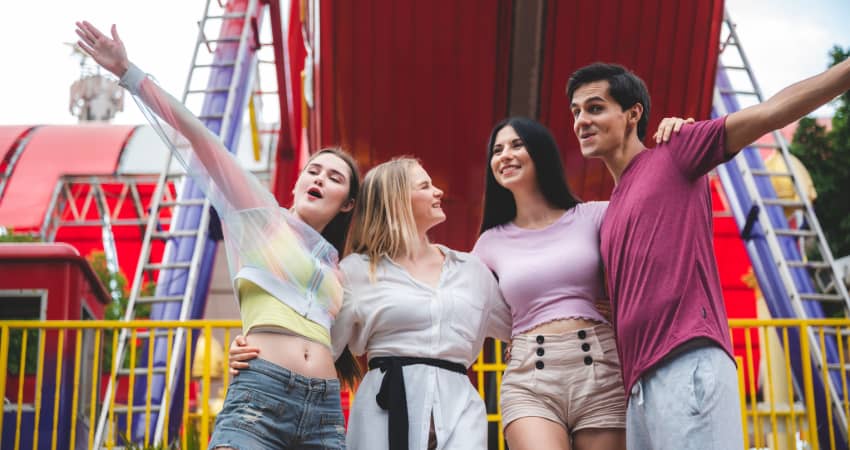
x=193 y=442
x=826 y=154
x=117 y=282
x=13 y=364
x=193 y=438
x=11 y=236
x=161 y=446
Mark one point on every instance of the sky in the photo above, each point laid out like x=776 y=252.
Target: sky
x=785 y=40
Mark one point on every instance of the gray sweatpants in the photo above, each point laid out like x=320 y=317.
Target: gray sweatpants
x=689 y=401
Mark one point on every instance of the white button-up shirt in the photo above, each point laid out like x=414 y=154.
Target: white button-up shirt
x=398 y=315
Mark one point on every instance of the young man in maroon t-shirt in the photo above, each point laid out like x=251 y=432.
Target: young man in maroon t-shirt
x=656 y=244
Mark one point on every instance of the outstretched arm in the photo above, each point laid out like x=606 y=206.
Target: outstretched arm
x=745 y=126
x=237 y=187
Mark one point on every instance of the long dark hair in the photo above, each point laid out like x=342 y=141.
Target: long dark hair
x=337 y=229
x=499 y=202
x=348 y=369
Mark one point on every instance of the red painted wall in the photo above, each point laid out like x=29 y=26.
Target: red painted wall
x=59 y=269
x=671 y=45
x=424 y=78
x=430 y=79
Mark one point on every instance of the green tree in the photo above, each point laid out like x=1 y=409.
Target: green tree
x=826 y=154
x=13 y=364
x=9 y=236
x=115 y=310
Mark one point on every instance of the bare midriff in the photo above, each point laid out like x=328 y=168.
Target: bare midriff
x=296 y=353
x=561 y=326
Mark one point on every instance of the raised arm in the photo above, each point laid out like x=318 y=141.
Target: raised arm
x=745 y=126
x=238 y=188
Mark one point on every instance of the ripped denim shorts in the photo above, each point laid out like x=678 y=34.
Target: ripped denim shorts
x=269 y=407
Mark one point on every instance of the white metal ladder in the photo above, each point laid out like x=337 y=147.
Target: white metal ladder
x=807 y=285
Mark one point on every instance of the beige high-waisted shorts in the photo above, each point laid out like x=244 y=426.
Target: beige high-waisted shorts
x=572 y=379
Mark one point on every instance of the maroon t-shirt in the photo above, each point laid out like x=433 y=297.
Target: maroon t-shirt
x=657 y=248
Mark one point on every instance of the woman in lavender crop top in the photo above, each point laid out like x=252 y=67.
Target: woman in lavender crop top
x=562 y=388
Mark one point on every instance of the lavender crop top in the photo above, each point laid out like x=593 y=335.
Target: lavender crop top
x=550 y=273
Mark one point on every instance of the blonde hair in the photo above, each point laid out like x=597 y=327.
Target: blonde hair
x=383 y=223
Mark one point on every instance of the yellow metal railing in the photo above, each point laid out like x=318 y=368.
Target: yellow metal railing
x=49 y=403
x=490 y=362
x=53 y=375
x=775 y=413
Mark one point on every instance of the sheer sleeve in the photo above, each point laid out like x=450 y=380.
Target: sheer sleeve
x=265 y=243
x=228 y=186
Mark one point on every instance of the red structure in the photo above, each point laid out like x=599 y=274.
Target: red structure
x=39 y=159
x=672 y=46
x=51 y=152
x=47 y=282
x=431 y=78
x=60 y=280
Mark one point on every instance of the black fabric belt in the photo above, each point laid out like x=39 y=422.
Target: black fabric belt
x=392 y=395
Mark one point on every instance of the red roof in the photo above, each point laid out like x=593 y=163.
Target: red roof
x=54 y=151
x=9 y=139
x=9 y=136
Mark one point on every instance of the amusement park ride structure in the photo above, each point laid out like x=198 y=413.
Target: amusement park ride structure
x=793 y=285
x=178 y=245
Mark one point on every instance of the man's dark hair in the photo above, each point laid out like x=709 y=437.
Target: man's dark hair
x=624 y=86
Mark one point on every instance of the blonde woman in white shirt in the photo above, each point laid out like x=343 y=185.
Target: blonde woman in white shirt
x=420 y=311
x=415 y=308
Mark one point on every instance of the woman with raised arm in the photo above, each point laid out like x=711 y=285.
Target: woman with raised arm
x=284 y=268
x=421 y=312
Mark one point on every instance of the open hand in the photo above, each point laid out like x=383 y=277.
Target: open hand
x=239 y=353
x=668 y=126
x=109 y=53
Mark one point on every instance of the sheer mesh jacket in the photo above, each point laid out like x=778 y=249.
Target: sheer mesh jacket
x=266 y=244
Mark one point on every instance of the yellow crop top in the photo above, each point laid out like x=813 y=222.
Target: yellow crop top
x=259 y=309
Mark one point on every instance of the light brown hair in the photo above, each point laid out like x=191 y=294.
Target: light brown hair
x=383 y=223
